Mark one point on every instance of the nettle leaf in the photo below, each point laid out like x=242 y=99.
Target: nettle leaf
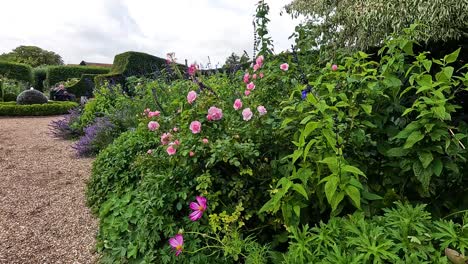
x=413 y=138
x=426 y=158
x=452 y=57
x=354 y=194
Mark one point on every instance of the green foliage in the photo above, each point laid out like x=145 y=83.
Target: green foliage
x=15 y=71
x=39 y=76
x=51 y=108
x=33 y=56
x=405 y=234
x=31 y=96
x=56 y=74
x=9 y=97
x=83 y=87
x=263 y=44
x=234 y=60
x=363 y=24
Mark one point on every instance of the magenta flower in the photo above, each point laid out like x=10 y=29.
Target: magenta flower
x=153 y=125
x=247 y=114
x=198 y=208
x=247 y=92
x=284 y=66
x=195 y=127
x=246 y=77
x=205 y=141
x=155 y=113
x=166 y=138
x=171 y=150
x=250 y=86
x=334 y=67
x=237 y=104
x=192 y=69
x=177 y=243
x=191 y=96
x=261 y=110
x=214 y=113
x=256 y=67
x=259 y=60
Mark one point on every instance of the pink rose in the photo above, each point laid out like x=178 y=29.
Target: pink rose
x=254 y=76
x=251 y=86
x=177 y=142
x=259 y=60
x=191 y=153
x=192 y=69
x=261 y=75
x=171 y=150
x=150 y=151
x=334 y=67
x=214 y=113
x=195 y=127
x=246 y=77
x=247 y=92
x=191 y=96
x=166 y=138
x=205 y=141
x=256 y=67
x=284 y=66
x=261 y=110
x=237 y=104
x=175 y=129
x=247 y=114
x=155 y=113
x=153 y=125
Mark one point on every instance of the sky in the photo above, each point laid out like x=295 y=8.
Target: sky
x=97 y=30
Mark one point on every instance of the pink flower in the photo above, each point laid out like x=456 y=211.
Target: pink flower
x=205 y=141
x=177 y=243
x=261 y=75
x=247 y=92
x=191 y=153
x=150 y=151
x=153 y=125
x=247 y=114
x=214 y=113
x=246 y=77
x=259 y=60
x=256 y=67
x=175 y=129
x=177 y=142
x=198 y=208
x=147 y=110
x=237 y=104
x=250 y=86
x=191 y=96
x=155 y=113
x=334 y=67
x=284 y=66
x=261 y=110
x=166 y=138
x=192 y=69
x=171 y=150
x=254 y=76
x=195 y=127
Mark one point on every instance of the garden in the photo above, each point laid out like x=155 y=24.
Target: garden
x=348 y=148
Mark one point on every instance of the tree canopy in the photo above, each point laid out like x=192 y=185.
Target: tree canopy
x=235 y=59
x=365 y=23
x=33 y=56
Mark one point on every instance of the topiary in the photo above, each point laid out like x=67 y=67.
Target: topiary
x=31 y=96
x=9 y=97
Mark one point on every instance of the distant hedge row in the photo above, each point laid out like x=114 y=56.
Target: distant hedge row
x=84 y=87
x=51 y=108
x=57 y=74
x=16 y=71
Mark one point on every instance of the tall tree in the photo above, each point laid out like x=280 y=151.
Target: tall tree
x=33 y=56
x=234 y=59
x=364 y=23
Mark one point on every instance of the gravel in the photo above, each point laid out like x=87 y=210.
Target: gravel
x=43 y=215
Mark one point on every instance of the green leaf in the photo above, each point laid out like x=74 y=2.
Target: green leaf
x=425 y=80
x=397 y=152
x=336 y=200
x=354 y=194
x=310 y=127
x=300 y=189
x=439 y=112
x=437 y=167
x=330 y=187
x=452 y=57
x=352 y=169
x=425 y=158
x=297 y=210
x=423 y=175
x=412 y=139
x=367 y=108
x=427 y=65
x=371 y=196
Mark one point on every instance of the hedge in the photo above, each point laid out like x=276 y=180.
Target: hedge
x=56 y=74
x=51 y=108
x=39 y=76
x=16 y=71
x=84 y=87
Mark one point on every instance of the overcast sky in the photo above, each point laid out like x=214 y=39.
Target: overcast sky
x=97 y=30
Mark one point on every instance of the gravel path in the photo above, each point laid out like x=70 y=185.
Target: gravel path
x=43 y=216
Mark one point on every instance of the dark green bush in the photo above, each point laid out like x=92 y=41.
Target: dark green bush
x=84 y=87
x=9 y=97
x=58 y=74
x=31 y=96
x=16 y=71
x=51 y=108
x=39 y=76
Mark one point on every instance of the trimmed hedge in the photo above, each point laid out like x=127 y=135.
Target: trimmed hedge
x=56 y=74
x=39 y=76
x=84 y=87
x=16 y=71
x=51 y=108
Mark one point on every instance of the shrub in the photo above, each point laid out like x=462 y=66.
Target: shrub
x=39 y=76
x=84 y=87
x=16 y=71
x=62 y=128
x=96 y=137
x=56 y=74
x=31 y=96
x=9 y=97
x=50 y=108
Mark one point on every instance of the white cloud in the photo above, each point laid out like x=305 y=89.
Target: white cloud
x=97 y=30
